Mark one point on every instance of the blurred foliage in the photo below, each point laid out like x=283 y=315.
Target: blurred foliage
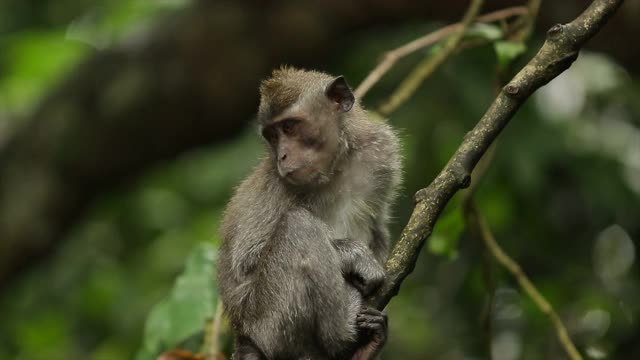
x=562 y=196
x=41 y=41
x=507 y=51
x=185 y=312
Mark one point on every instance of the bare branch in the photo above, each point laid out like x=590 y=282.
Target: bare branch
x=556 y=55
x=427 y=66
x=533 y=8
x=392 y=56
x=487 y=264
x=212 y=334
x=505 y=260
x=471 y=213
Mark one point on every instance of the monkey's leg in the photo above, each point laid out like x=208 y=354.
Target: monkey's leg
x=372 y=324
x=246 y=350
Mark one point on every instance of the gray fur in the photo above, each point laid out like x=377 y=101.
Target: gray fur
x=287 y=252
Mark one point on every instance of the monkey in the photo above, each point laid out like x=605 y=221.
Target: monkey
x=305 y=236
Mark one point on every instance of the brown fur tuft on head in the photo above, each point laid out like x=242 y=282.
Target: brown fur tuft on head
x=285 y=87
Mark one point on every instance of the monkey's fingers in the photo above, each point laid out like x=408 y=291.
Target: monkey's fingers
x=373 y=326
x=373 y=312
x=371 y=320
x=368 y=310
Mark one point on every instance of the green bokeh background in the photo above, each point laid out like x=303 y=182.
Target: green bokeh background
x=562 y=197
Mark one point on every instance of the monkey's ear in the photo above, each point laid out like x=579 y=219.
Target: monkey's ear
x=340 y=93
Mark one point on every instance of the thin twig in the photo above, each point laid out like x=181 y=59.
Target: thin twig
x=391 y=57
x=489 y=240
x=212 y=334
x=489 y=279
x=487 y=265
x=469 y=206
x=533 y=7
x=428 y=65
x=556 y=55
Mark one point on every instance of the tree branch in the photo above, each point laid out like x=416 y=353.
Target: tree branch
x=487 y=264
x=468 y=204
x=212 y=331
x=430 y=63
x=529 y=288
x=556 y=55
x=392 y=56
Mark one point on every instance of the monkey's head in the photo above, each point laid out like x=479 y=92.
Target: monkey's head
x=302 y=115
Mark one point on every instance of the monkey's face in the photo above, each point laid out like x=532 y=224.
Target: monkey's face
x=304 y=149
x=305 y=139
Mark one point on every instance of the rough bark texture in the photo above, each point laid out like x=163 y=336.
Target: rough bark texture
x=556 y=55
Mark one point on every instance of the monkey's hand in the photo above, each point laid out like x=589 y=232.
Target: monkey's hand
x=359 y=267
x=372 y=326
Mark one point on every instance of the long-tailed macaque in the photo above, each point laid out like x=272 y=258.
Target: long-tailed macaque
x=305 y=236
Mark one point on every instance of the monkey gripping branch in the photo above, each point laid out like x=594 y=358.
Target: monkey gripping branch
x=557 y=53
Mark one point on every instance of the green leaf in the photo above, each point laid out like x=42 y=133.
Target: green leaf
x=484 y=31
x=444 y=240
x=507 y=51
x=185 y=311
x=435 y=48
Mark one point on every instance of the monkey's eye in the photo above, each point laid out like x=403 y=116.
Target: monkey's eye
x=270 y=134
x=289 y=126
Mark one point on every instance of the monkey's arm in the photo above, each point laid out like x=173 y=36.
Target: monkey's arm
x=385 y=163
x=380 y=239
x=359 y=265
x=363 y=271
